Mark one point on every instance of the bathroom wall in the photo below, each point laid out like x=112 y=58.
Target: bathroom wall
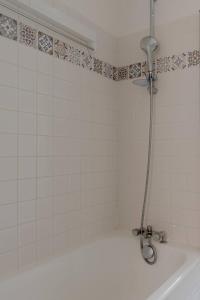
x=174 y=193
x=59 y=142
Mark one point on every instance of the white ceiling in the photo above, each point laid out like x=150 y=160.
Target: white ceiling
x=123 y=17
x=135 y=13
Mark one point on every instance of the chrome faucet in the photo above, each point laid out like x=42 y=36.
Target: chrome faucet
x=149 y=233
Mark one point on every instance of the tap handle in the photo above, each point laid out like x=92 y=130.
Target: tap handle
x=163 y=237
x=149 y=229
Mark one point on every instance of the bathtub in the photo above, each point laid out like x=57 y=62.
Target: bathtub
x=110 y=268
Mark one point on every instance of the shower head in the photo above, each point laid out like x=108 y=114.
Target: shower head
x=149 y=45
x=141 y=82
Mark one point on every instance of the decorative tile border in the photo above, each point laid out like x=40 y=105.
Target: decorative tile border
x=163 y=64
x=73 y=55
x=98 y=66
x=45 y=43
x=25 y=34
x=8 y=27
x=123 y=73
x=135 y=70
x=108 y=70
x=87 y=60
x=179 y=62
x=193 y=58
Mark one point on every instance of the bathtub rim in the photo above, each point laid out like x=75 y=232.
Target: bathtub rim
x=191 y=254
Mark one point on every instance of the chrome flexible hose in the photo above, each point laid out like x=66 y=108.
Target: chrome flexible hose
x=149 y=151
x=146 y=244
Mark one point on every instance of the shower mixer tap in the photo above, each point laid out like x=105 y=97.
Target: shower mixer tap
x=149 y=233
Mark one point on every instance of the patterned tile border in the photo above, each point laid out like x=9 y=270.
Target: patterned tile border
x=8 y=27
x=25 y=34
x=45 y=43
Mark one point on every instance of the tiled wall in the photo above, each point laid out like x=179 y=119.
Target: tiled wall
x=174 y=198
x=59 y=142
x=58 y=154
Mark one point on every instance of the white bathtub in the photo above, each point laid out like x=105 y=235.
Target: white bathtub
x=109 y=269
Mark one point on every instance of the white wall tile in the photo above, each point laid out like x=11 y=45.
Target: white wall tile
x=27 y=233
x=44 y=167
x=66 y=165
x=8 y=121
x=61 y=243
x=8 y=75
x=27 y=211
x=9 y=98
x=27 y=102
x=8 y=216
x=8 y=239
x=27 y=189
x=27 y=80
x=64 y=89
x=44 y=84
x=44 y=104
x=44 y=208
x=67 y=202
x=45 y=187
x=27 y=123
x=45 y=146
x=27 y=256
x=8 y=263
x=9 y=51
x=9 y=191
x=27 y=57
x=61 y=185
x=27 y=167
x=65 y=127
x=8 y=145
x=44 y=229
x=44 y=249
x=45 y=125
x=8 y=168
x=64 y=108
x=27 y=145
x=45 y=63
